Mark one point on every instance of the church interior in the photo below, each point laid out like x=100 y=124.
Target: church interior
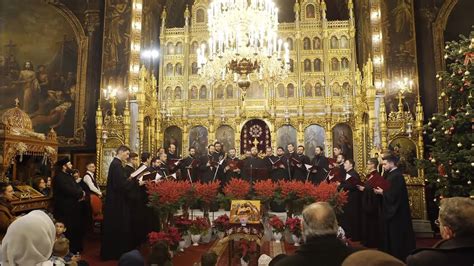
x=237 y=132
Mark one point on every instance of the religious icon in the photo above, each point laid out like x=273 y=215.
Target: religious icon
x=177 y=93
x=334 y=42
x=310 y=11
x=334 y=64
x=405 y=150
x=344 y=42
x=170 y=49
x=179 y=69
x=200 y=15
x=194 y=47
x=317 y=65
x=308 y=90
x=225 y=135
x=346 y=88
x=291 y=90
x=336 y=89
x=220 y=92
x=194 y=68
x=230 y=92
x=307 y=65
x=168 y=94
x=292 y=64
x=179 y=48
x=290 y=43
x=194 y=93
x=285 y=136
x=316 y=43
x=318 y=90
x=198 y=138
x=203 y=92
x=281 y=90
x=169 y=69
x=306 y=44
x=245 y=211
x=173 y=135
x=313 y=136
x=345 y=63
x=342 y=137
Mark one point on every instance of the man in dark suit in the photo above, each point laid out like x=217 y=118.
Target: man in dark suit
x=319 y=166
x=189 y=166
x=456 y=225
x=289 y=156
x=322 y=247
x=300 y=160
x=399 y=237
x=67 y=197
x=116 y=235
x=207 y=165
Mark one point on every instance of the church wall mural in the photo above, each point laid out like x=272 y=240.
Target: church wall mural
x=405 y=149
x=42 y=64
x=314 y=136
x=150 y=32
x=198 y=138
x=174 y=135
x=285 y=136
x=364 y=33
x=342 y=137
x=225 y=135
x=399 y=44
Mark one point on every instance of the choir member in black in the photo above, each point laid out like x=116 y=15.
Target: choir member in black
x=116 y=238
x=399 y=238
x=269 y=159
x=189 y=165
x=350 y=218
x=172 y=152
x=232 y=166
x=299 y=163
x=142 y=214
x=335 y=175
x=219 y=157
x=278 y=171
x=208 y=165
x=291 y=154
x=163 y=169
x=371 y=207
x=132 y=164
x=254 y=166
x=67 y=198
x=319 y=166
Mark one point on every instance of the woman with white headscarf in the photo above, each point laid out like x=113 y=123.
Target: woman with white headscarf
x=29 y=240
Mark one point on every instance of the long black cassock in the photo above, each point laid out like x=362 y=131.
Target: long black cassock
x=350 y=218
x=299 y=168
x=116 y=235
x=399 y=236
x=67 y=194
x=320 y=169
x=254 y=169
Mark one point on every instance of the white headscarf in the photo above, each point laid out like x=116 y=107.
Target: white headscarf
x=29 y=240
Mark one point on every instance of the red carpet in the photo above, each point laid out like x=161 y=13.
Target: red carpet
x=193 y=254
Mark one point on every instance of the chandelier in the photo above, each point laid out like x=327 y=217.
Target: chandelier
x=243 y=41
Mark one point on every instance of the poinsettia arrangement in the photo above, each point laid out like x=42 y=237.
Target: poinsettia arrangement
x=294 y=226
x=167 y=195
x=237 y=189
x=170 y=236
x=247 y=249
x=330 y=194
x=265 y=190
x=199 y=226
x=182 y=223
x=207 y=192
x=221 y=223
x=277 y=224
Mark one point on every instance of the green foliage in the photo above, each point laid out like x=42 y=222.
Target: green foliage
x=450 y=166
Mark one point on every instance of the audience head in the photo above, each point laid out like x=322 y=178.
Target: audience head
x=318 y=150
x=61 y=247
x=254 y=151
x=372 y=164
x=29 y=240
x=39 y=183
x=172 y=148
x=389 y=162
x=64 y=164
x=209 y=259
x=192 y=151
x=90 y=166
x=6 y=191
x=349 y=164
x=211 y=149
x=371 y=258
x=123 y=152
x=145 y=158
x=337 y=150
x=319 y=219
x=60 y=228
x=232 y=152
x=300 y=149
x=456 y=217
x=159 y=254
x=268 y=151
x=290 y=147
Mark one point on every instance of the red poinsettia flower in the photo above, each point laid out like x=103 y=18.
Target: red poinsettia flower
x=294 y=225
x=171 y=236
x=199 y=225
x=207 y=192
x=277 y=224
x=265 y=189
x=237 y=189
x=221 y=223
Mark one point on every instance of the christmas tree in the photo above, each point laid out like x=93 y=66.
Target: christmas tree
x=450 y=166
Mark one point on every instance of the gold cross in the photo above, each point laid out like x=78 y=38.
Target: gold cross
x=255 y=142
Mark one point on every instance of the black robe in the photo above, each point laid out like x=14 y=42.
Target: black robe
x=350 y=218
x=206 y=173
x=254 y=169
x=116 y=235
x=277 y=173
x=399 y=236
x=219 y=157
x=291 y=169
x=300 y=172
x=67 y=208
x=321 y=169
x=371 y=215
x=189 y=169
